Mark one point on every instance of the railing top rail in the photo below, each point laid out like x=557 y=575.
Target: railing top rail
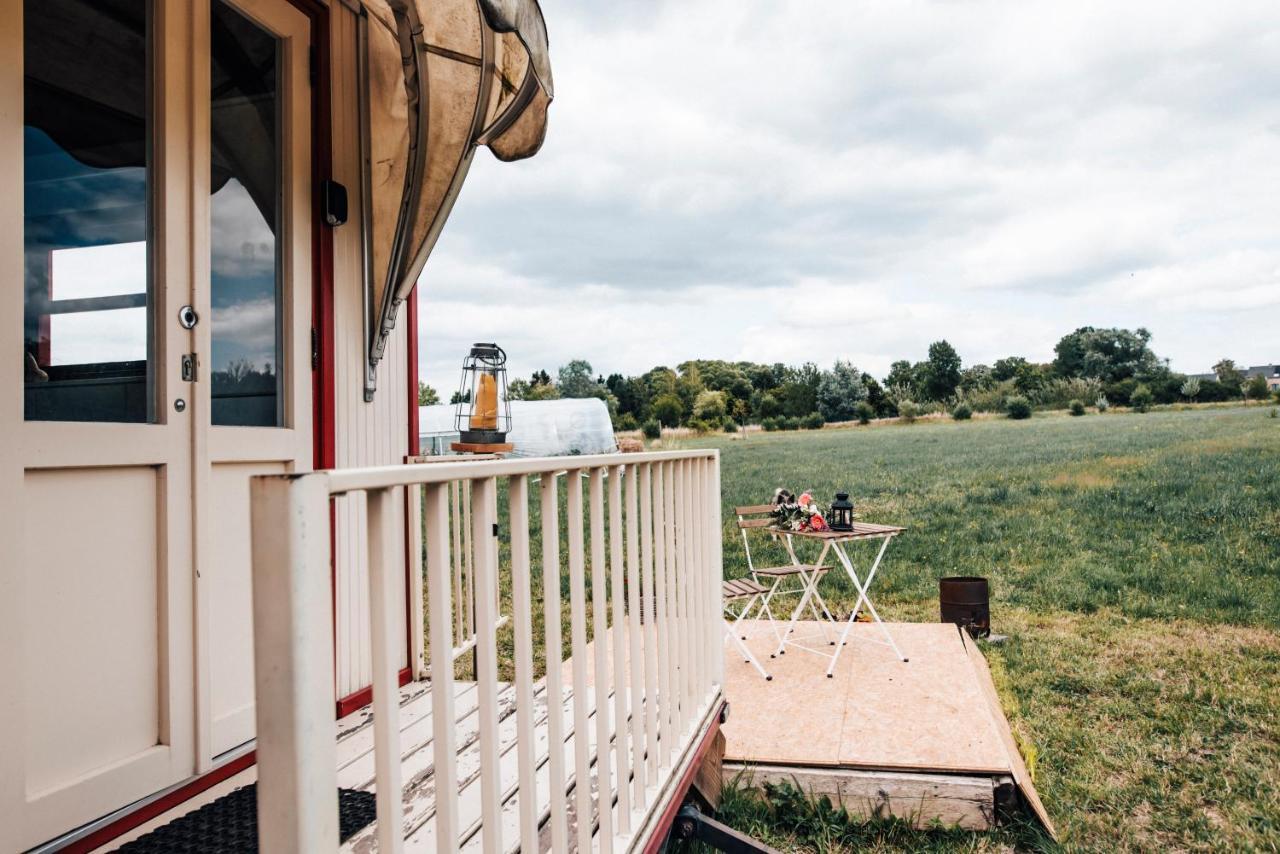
x=380 y=477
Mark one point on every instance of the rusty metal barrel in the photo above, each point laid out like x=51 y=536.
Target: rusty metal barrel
x=966 y=601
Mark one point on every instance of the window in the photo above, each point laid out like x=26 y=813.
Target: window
x=246 y=289
x=87 y=325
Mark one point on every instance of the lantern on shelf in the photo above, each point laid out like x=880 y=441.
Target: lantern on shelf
x=483 y=416
x=841 y=516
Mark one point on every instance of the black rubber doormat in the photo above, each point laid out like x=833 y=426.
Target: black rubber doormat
x=229 y=825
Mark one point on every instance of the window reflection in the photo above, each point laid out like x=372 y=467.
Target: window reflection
x=245 y=210
x=87 y=322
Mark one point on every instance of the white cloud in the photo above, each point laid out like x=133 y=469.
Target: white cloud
x=790 y=181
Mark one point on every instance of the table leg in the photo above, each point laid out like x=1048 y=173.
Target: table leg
x=863 y=597
x=810 y=587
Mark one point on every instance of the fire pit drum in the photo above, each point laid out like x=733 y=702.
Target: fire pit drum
x=965 y=600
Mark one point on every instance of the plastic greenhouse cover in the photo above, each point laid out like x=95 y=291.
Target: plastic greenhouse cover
x=539 y=428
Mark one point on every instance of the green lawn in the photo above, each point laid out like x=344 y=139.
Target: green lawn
x=1135 y=565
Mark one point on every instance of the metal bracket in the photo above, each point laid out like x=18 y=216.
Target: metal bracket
x=690 y=823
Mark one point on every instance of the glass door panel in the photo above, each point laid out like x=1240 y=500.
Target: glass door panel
x=87 y=326
x=245 y=277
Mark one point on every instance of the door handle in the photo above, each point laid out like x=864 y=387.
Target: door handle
x=187 y=317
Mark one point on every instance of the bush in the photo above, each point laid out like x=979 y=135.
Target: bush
x=1102 y=404
x=1077 y=407
x=771 y=424
x=864 y=412
x=668 y=410
x=627 y=421
x=990 y=399
x=1018 y=407
x=1059 y=393
x=1140 y=399
x=729 y=425
x=651 y=429
x=813 y=421
x=962 y=412
x=908 y=410
x=791 y=423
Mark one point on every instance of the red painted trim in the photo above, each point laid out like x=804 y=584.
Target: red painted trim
x=411 y=333
x=142 y=815
x=324 y=421
x=364 y=696
x=663 y=827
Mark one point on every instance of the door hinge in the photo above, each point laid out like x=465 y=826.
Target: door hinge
x=190 y=368
x=315 y=350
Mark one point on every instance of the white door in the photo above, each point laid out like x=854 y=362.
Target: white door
x=97 y=571
x=254 y=395
x=155 y=238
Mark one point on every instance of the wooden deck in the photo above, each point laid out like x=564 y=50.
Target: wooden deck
x=356 y=768
x=923 y=740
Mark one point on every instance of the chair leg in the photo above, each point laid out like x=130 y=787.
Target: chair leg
x=747 y=655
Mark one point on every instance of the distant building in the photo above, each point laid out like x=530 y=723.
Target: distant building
x=1271 y=372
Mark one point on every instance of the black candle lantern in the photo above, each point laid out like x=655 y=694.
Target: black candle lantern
x=841 y=518
x=483 y=416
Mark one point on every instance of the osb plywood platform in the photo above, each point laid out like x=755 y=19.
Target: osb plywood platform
x=928 y=732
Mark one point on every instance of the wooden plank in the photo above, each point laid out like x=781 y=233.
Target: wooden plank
x=664 y=629
x=922 y=799
x=1021 y=777
x=754 y=509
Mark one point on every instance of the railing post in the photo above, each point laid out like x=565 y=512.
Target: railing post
x=386 y=551
x=555 y=663
x=293 y=664
x=619 y=639
x=635 y=651
x=600 y=660
x=522 y=617
x=485 y=542
x=715 y=642
x=439 y=593
x=650 y=610
x=578 y=655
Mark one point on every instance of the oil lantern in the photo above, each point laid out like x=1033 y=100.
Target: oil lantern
x=841 y=516
x=483 y=416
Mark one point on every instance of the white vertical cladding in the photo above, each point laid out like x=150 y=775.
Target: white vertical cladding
x=367 y=434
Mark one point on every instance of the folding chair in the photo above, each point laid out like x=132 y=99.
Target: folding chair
x=774 y=577
x=735 y=591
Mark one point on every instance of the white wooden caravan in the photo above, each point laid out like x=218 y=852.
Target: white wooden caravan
x=216 y=210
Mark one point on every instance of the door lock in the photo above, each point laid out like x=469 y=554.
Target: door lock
x=187 y=317
x=189 y=367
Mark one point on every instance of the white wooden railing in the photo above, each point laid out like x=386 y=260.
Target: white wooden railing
x=645 y=541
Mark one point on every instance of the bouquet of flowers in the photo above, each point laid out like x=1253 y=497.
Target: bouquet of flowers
x=797 y=514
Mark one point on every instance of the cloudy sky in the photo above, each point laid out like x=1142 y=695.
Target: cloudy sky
x=793 y=181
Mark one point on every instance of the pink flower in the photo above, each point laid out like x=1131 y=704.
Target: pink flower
x=805 y=499
x=817 y=522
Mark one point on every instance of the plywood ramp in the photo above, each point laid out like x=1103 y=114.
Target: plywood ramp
x=923 y=739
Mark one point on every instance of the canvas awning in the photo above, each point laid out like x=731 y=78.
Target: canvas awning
x=440 y=77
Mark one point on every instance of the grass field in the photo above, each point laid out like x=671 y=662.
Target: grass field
x=1135 y=565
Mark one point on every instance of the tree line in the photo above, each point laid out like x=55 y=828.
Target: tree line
x=1091 y=367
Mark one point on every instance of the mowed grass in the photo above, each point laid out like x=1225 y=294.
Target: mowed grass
x=1135 y=564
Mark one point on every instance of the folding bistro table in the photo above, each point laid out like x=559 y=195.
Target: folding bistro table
x=835 y=541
